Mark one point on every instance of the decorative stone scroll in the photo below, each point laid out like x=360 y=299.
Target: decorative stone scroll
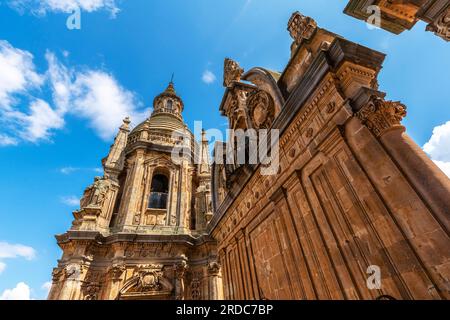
x=379 y=115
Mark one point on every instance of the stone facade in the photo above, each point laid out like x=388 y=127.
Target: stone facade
x=352 y=192
x=400 y=15
x=140 y=232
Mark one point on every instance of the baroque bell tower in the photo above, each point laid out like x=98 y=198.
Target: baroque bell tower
x=140 y=230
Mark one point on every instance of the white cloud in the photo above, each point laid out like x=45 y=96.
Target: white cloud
x=17 y=74
x=71 y=201
x=68 y=170
x=438 y=147
x=8 y=250
x=445 y=166
x=41 y=120
x=41 y=7
x=47 y=286
x=6 y=140
x=59 y=77
x=103 y=102
x=208 y=77
x=93 y=95
x=20 y=292
x=11 y=251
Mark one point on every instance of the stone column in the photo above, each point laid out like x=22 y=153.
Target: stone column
x=169 y=200
x=383 y=119
x=215 y=281
x=225 y=280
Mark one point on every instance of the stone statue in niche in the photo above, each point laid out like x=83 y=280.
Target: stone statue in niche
x=95 y=195
x=232 y=72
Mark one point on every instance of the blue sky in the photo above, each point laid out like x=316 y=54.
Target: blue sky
x=63 y=92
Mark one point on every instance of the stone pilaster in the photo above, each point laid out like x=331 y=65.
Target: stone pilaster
x=116 y=274
x=383 y=119
x=215 y=281
x=131 y=199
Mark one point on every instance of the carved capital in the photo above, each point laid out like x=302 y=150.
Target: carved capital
x=379 y=115
x=232 y=72
x=116 y=272
x=301 y=27
x=441 y=26
x=214 y=268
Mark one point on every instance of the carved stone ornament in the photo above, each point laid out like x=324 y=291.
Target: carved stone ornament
x=441 y=27
x=379 y=115
x=116 y=272
x=95 y=195
x=149 y=278
x=214 y=268
x=195 y=289
x=232 y=72
x=301 y=27
x=237 y=114
x=180 y=269
x=261 y=109
x=90 y=291
x=57 y=274
x=73 y=271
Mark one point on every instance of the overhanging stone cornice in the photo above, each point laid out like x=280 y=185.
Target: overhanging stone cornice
x=182 y=239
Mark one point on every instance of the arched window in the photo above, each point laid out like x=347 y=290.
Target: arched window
x=159 y=192
x=169 y=105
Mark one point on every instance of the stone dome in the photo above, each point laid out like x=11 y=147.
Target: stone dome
x=165 y=119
